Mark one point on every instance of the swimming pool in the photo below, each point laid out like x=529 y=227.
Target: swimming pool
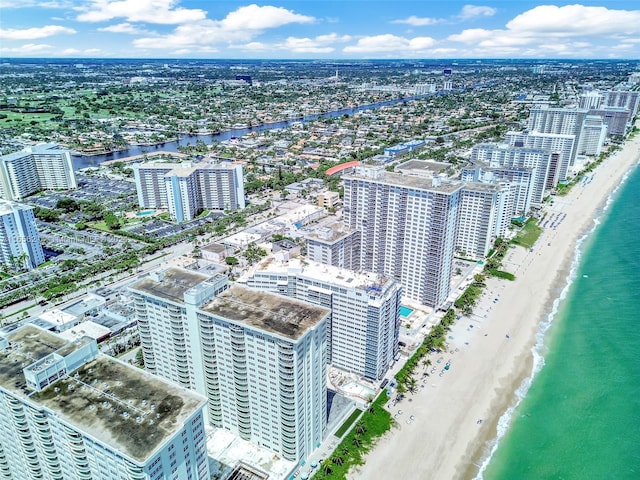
x=144 y=213
x=405 y=311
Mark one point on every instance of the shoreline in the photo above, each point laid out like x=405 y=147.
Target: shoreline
x=497 y=349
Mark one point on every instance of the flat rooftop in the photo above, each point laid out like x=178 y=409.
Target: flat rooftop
x=409 y=181
x=330 y=274
x=170 y=284
x=423 y=167
x=266 y=311
x=119 y=405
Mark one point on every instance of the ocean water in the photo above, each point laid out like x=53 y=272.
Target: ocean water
x=580 y=417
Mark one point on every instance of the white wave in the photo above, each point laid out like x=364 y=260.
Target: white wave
x=538 y=349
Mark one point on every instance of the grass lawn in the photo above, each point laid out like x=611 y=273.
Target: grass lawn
x=374 y=423
x=345 y=426
x=529 y=234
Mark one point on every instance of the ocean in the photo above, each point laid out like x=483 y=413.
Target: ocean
x=580 y=417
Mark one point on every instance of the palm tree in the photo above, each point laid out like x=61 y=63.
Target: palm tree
x=337 y=460
x=412 y=385
x=426 y=363
x=360 y=428
x=356 y=442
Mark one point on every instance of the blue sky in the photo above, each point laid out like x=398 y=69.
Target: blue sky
x=348 y=29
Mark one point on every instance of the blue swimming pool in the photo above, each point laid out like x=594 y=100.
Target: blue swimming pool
x=405 y=311
x=144 y=213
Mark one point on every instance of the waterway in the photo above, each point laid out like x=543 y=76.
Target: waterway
x=84 y=161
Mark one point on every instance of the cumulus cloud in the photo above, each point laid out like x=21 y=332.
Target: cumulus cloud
x=319 y=44
x=28 y=48
x=473 y=11
x=553 y=30
x=164 y=12
x=418 y=21
x=389 y=43
x=241 y=25
x=124 y=28
x=35 y=3
x=34 y=33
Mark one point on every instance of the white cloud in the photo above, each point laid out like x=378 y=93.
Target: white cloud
x=28 y=49
x=319 y=44
x=472 y=11
x=70 y=51
x=34 y=33
x=124 y=28
x=151 y=11
x=570 y=30
x=35 y=3
x=241 y=25
x=418 y=21
x=389 y=43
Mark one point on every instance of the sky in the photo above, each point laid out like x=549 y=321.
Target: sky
x=313 y=29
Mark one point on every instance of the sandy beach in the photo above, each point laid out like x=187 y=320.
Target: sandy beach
x=456 y=413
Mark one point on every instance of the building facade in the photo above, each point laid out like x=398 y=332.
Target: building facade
x=365 y=321
x=20 y=245
x=70 y=413
x=563 y=146
x=334 y=245
x=407 y=226
x=42 y=167
x=186 y=189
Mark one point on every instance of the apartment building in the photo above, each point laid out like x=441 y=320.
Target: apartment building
x=334 y=245
x=543 y=164
x=70 y=413
x=187 y=189
x=37 y=168
x=594 y=132
x=408 y=228
x=19 y=239
x=259 y=358
x=364 y=323
x=265 y=365
x=485 y=214
x=563 y=146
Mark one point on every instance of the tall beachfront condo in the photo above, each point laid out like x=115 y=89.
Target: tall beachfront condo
x=594 y=131
x=559 y=120
x=41 y=167
x=259 y=358
x=617 y=119
x=563 y=146
x=334 y=245
x=365 y=319
x=485 y=214
x=68 y=412
x=170 y=343
x=543 y=164
x=623 y=97
x=519 y=180
x=265 y=365
x=408 y=228
x=187 y=189
x=591 y=99
x=19 y=239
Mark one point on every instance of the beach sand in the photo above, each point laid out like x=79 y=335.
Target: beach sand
x=456 y=414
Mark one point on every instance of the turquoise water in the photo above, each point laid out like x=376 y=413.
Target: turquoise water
x=405 y=311
x=581 y=417
x=144 y=213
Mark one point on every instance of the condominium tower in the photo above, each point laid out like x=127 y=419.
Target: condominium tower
x=19 y=240
x=187 y=189
x=70 y=413
x=365 y=319
x=408 y=228
x=41 y=167
x=259 y=358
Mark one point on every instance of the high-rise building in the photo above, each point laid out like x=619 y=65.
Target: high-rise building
x=594 y=131
x=591 y=99
x=68 y=412
x=260 y=358
x=334 y=245
x=19 y=239
x=170 y=343
x=365 y=321
x=544 y=165
x=484 y=216
x=408 y=228
x=565 y=121
x=617 y=119
x=563 y=146
x=623 y=97
x=265 y=367
x=519 y=179
x=42 y=167
x=187 y=189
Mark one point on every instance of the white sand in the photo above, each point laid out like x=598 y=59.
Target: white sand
x=446 y=440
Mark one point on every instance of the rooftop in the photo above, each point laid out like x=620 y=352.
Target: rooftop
x=119 y=405
x=435 y=185
x=170 y=284
x=422 y=167
x=266 y=311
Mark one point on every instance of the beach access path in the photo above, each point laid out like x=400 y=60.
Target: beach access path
x=456 y=414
